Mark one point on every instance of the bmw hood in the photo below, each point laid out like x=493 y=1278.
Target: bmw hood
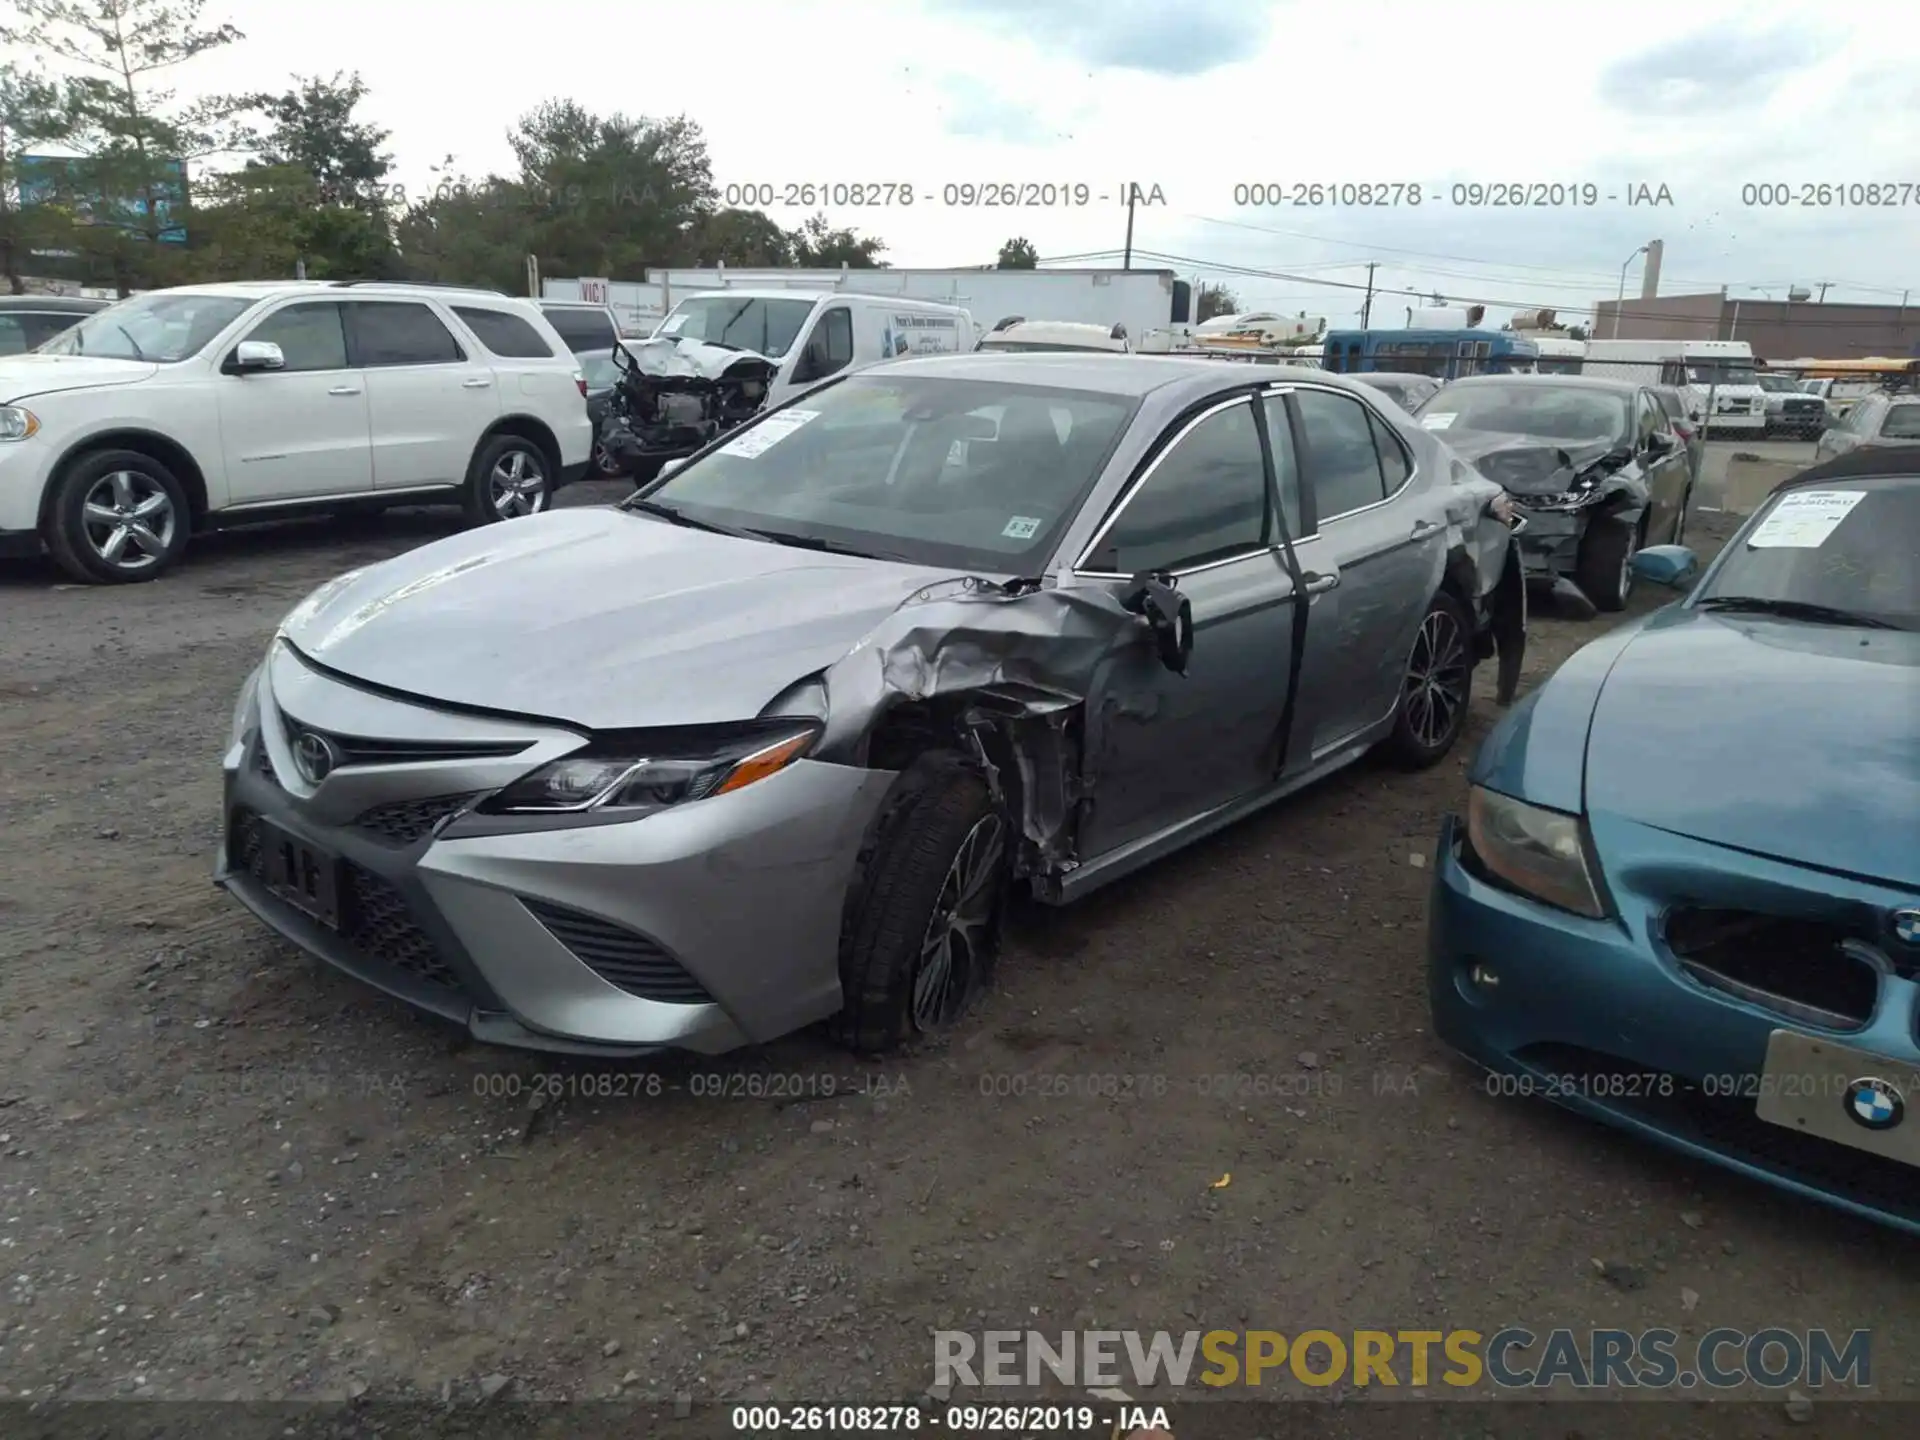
x=599 y=618
x=1526 y=465
x=24 y=376
x=1800 y=742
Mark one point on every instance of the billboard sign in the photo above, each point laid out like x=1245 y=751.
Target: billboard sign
x=47 y=179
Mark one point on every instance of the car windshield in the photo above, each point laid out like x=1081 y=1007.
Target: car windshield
x=1731 y=373
x=1551 y=412
x=1848 y=547
x=767 y=326
x=598 y=370
x=960 y=474
x=164 y=327
x=1902 y=422
x=1778 y=385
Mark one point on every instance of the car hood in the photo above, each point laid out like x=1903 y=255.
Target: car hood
x=1527 y=464
x=664 y=359
x=24 y=376
x=1796 y=741
x=599 y=618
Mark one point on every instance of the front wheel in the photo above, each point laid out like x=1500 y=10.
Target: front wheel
x=1604 y=570
x=509 y=478
x=923 y=928
x=117 y=517
x=1437 y=687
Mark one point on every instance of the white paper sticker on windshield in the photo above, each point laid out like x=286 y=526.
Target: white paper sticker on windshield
x=768 y=433
x=1021 y=527
x=671 y=325
x=1437 y=422
x=1804 y=519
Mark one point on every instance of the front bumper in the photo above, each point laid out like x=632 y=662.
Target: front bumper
x=1592 y=1014
x=1550 y=544
x=701 y=928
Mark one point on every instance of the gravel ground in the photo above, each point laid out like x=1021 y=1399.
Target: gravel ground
x=228 y=1173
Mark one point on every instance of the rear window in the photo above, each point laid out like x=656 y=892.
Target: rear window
x=508 y=336
x=583 y=328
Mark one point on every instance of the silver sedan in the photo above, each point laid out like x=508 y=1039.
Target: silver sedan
x=770 y=742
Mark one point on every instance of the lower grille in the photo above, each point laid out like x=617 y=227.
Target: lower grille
x=1730 y=1127
x=262 y=761
x=405 y=822
x=626 y=960
x=1807 y=970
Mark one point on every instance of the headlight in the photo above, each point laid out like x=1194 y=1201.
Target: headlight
x=648 y=771
x=1539 y=852
x=245 y=708
x=17 y=424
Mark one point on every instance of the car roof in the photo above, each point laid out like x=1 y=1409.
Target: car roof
x=59 y=304
x=1574 y=382
x=1134 y=376
x=1365 y=375
x=1861 y=464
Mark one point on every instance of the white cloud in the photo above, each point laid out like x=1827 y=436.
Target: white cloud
x=1194 y=99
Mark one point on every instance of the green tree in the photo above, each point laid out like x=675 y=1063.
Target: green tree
x=1213 y=301
x=135 y=140
x=311 y=126
x=740 y=237
x=1019 y=254
x=31 y=115
x=817 y=245
x=468 y=233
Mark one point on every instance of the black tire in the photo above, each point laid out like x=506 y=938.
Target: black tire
x=1437 y=689
x=603 y=466
x=127 y=481
x=938 y=808
x=1602 y=570
x=501 y=462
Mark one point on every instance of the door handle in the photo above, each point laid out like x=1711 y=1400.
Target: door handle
x=1318 y=584
x=477 y=383
x=344 y=390
x=1425 y=529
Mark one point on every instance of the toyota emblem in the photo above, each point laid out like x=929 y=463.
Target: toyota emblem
x=314 y=757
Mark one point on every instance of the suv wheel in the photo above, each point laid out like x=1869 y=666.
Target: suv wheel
x=924 y=925
x=1437 y=689
x=509 y=477
x=117 y=517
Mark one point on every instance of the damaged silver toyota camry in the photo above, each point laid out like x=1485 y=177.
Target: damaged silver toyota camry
x=771 y=742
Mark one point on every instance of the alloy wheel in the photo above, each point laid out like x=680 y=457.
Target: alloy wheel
x=604 y=463
x=954 y=949
x=129 y=520
x=1437 y=678
x=518 y=485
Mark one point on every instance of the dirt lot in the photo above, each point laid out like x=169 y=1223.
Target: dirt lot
x=226 y=1172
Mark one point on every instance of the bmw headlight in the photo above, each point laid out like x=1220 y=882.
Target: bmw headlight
x=17 y=424
x=1539 y=852
x=246 y=708
x=645 y=771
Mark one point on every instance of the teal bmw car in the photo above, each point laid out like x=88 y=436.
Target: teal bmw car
x=1684 y=898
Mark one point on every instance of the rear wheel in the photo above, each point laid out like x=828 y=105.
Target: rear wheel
x=117 y=517
x=1437 y=688
x=509 y=477
x=924 y=925
x=1604 y=569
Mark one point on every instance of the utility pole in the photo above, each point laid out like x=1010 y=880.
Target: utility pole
x=1366 y=308
x=1133 y=192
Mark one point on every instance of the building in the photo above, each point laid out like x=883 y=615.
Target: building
x=1776 y=329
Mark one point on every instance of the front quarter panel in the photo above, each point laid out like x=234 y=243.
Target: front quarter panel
x=1537 y=751
x=177 y=404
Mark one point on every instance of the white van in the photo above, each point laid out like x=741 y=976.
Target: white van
x=1723 y=368
x=815 y=334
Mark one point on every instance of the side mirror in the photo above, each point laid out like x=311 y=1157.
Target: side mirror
x=1665 y=564
x=252 y=356
x=1168 y=613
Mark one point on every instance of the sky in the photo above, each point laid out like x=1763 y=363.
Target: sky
x=1195 y=100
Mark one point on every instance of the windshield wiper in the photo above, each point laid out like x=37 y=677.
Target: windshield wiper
x=138 y=353
x=1796 y=610
x=830 y=547
x=680 y=517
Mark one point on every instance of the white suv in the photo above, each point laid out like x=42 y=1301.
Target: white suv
x=212 y=405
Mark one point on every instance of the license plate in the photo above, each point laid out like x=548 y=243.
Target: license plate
x=1852 y=1097
x=305 y=877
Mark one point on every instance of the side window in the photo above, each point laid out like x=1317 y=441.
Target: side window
x=1395 y=466
x=388 y=332
x=507 y=336
x=24 y=330
x=1650 y=421
x=833 y=333
x=1286 y=464
x=310 y=336
x=1206 y=499
x=1341 y=463
x=581 y=329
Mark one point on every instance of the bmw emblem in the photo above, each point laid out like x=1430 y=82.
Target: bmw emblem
x=313 y=757
x=1873 y=1104
x=1906 y=926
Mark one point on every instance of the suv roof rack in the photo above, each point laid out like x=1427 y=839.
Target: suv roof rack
x=428 y=285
